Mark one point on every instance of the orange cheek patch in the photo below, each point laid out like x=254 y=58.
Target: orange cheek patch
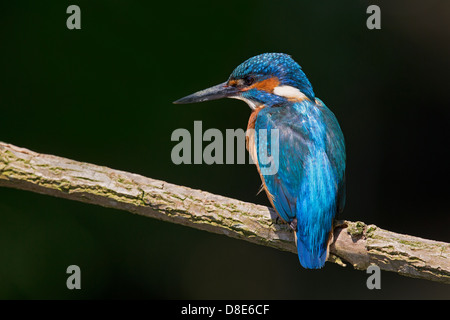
x=266 y=85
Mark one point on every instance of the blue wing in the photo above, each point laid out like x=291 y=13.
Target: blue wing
x=308 y=181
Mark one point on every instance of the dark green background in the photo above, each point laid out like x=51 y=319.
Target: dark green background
x=103 y=95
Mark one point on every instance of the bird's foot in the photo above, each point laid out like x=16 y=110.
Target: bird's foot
x=293 y=224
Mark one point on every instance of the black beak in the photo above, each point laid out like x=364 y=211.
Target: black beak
x=217 y=92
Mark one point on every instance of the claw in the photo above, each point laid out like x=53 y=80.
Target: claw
x=276 y=221
x=293 y=224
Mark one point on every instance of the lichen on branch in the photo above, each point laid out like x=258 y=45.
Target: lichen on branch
x=355 y=243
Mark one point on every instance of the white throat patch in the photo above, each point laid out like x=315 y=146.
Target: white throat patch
x=290 y=93
x=251 y=103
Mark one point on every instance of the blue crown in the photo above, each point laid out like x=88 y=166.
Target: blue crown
x=280 y=65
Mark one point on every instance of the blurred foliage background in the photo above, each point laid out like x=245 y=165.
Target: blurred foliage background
x=103 y=95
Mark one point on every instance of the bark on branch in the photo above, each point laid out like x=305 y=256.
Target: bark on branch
x=354 y=242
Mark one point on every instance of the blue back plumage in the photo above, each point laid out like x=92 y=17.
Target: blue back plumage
x=308 y=184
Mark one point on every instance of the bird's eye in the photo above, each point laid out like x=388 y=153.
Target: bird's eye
x=248 y=80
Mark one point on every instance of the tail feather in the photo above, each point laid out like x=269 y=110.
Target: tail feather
x=315 y=210
x=310 y=259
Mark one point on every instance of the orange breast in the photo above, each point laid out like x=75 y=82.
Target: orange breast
x=251 y=147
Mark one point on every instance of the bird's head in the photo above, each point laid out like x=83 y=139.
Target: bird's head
x=267 y=79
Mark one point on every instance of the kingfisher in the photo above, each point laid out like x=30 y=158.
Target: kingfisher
x=308 y=188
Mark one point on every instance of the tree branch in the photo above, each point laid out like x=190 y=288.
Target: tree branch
x=355 y=242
